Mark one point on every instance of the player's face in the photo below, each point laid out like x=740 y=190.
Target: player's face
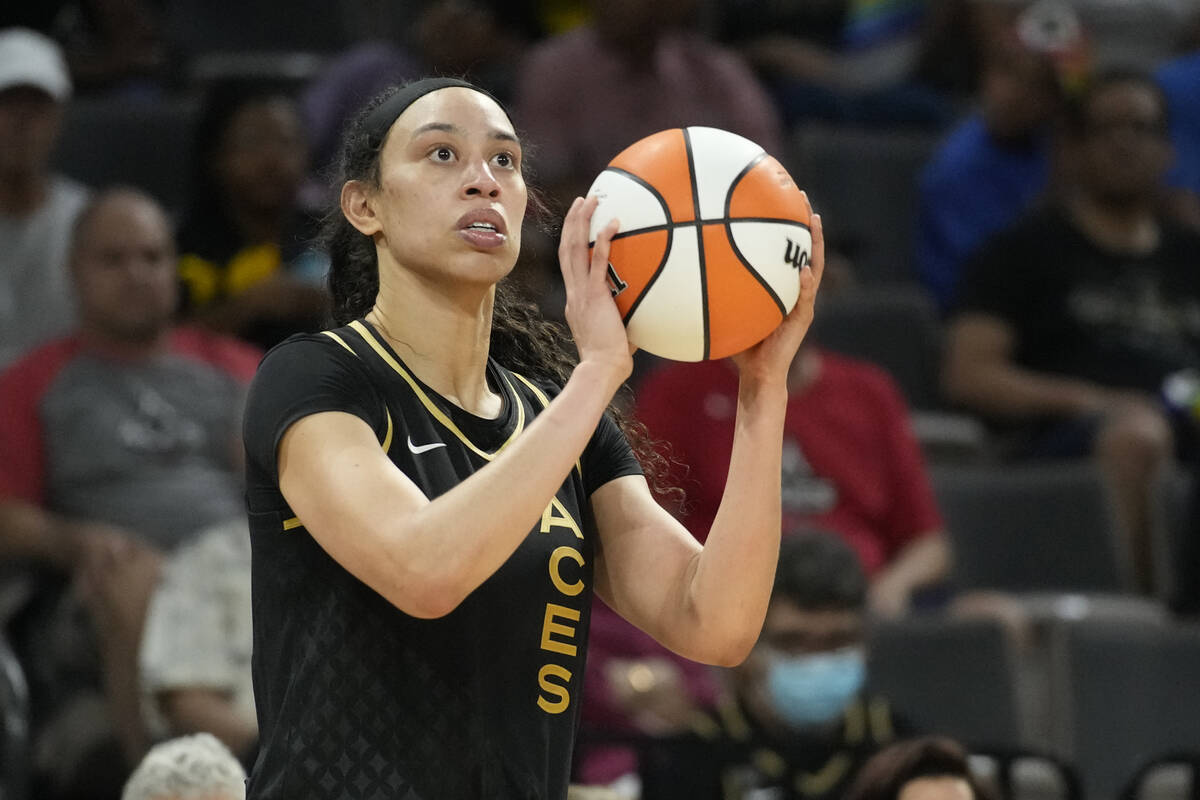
x=124 y=267
x=451 y=197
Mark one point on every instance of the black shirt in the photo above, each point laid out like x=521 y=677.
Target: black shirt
x=1079 y=310
x=357 y=699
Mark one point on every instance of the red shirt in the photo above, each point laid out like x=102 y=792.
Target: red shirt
x=850 y=461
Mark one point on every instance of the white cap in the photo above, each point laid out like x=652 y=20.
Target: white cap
x=28 y=58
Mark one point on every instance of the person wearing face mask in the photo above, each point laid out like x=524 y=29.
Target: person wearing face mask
x=796 y=721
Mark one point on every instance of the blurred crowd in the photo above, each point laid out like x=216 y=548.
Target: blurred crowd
x=993 y=433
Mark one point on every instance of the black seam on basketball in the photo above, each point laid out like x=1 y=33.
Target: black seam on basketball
x=754 y=162
x=715 y=221
x=691 y=157
x=650 y=283
x=703 y=289
x=753 y=272
x=648 y=187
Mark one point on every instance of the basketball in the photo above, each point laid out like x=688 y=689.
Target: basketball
x=713 y=234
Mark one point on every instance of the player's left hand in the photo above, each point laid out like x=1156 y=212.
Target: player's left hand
x=591 y=313
x=769 y=359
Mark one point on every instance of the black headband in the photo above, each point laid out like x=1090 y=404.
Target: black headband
x=379 y=121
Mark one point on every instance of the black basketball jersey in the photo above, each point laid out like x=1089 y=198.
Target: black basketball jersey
x=357 y=699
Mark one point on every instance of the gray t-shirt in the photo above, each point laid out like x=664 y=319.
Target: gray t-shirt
x=36 y=299
x=149 y=447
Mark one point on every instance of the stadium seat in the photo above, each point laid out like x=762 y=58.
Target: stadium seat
x=896 y=328
x=147 y=145
x=1044 y=527
x=864 y=184
x=1173 y=776
x=950 y=677
x=1125 y=695
x=14 y=734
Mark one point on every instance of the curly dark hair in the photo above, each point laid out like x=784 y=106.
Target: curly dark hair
x=522 y=339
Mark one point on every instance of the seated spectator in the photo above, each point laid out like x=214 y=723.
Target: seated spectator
x=638 y=70
x=478 y=40
x=929 y=768
x=196 y=642
x=246 y=264
x=850 y=462
x=116 y=49
x=120 y=441
x=196 y=767
x=37 y=207
x=990 y=168
x=797 y=721
x=1069 y=322
x=842 y=61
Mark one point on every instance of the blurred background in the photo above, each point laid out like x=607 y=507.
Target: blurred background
x=995 y=416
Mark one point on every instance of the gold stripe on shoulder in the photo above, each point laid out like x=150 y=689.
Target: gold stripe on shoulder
x=387 y=440
x=545 y=401
x=430 y=406
x=541 y=396
x=340 y=341
x=292 y=523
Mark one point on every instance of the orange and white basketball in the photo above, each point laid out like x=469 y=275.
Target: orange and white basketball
x=713 y=234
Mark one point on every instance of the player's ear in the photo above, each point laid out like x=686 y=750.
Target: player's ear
x=358 y=205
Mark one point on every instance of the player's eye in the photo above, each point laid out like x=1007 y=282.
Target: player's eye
x=505 y=160
x=443 y=154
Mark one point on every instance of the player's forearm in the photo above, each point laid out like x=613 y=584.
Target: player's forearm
x=731 y=584
x=462 y=537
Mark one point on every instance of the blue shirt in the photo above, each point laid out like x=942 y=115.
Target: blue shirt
x=1179 y=80
x=972 y=188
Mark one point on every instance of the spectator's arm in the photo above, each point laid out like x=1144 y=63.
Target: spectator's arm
x=924 y=561
x=32 y=533
x=980 y=374
x=200 y=709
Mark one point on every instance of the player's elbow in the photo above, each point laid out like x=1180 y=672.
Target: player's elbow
x=427 y=596
x=734 y=652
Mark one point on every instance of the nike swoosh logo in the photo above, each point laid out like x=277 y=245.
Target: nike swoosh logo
x=424 y=448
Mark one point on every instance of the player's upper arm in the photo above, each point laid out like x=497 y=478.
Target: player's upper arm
x=645 y=557
x=354 y=502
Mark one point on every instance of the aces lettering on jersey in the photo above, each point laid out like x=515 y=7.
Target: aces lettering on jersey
x=560 y=625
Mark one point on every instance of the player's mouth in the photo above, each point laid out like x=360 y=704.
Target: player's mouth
x=483 y=228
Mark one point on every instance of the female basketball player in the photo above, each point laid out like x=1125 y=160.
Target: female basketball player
x=433 y=501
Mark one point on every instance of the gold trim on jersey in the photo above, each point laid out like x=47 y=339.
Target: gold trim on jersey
x=545 y=401
x=340 y=341
x=292 y=523
x=432 y=408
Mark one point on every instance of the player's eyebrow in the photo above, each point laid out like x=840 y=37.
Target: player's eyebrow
x=448 y=127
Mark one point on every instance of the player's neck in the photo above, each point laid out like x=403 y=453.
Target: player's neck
x=444 y=340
